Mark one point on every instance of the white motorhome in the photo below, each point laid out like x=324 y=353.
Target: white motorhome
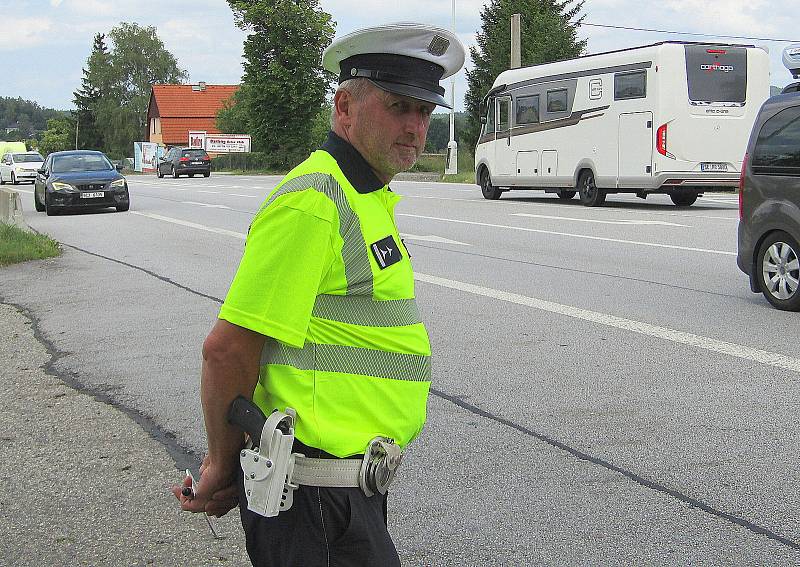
x=672 y=117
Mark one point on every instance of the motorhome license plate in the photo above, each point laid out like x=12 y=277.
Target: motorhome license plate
x=712 y=166
x=92 y=195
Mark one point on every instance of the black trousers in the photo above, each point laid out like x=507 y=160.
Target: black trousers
x=325 y=527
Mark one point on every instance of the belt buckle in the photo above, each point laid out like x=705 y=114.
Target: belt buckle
x=378 y=469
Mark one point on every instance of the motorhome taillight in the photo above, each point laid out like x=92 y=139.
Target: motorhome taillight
x=741 y=185
x=661 y=139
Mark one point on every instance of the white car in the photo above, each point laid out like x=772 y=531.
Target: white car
x=20 y=166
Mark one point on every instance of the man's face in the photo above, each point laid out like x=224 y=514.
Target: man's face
x=389 y=130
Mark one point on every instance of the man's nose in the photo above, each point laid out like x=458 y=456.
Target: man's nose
x=416 y=121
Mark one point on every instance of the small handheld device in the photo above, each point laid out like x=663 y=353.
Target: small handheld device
x=190 y=491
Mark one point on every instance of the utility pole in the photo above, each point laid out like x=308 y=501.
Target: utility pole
x=516 y=59
x=77 y=121
x=451 y=165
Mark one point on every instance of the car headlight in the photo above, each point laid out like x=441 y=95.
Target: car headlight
x=58 y=186
x=118 y=183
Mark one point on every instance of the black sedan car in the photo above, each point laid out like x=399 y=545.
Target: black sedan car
x=184 y=161
x=79 y=179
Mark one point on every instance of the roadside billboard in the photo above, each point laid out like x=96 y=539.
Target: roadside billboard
x=220 y=143
x=144 y=156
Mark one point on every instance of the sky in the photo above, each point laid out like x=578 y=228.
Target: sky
x=44 y=44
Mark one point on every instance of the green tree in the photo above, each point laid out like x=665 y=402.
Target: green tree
x=123 y=78
x=284 y=85
x=59 y=136
x=549 y=32
x=95 y=85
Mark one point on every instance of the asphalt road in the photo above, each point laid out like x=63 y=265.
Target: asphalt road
x=607 y=390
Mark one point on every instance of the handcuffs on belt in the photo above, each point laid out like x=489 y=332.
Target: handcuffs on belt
x=272 y=472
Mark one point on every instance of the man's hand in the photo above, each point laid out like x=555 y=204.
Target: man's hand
x=216 y=491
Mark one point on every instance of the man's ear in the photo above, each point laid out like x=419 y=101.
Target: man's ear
x=343 y=106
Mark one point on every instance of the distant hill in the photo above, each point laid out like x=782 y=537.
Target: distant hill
x=20 y=119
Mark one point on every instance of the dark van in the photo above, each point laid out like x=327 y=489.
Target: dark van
x=769 y=203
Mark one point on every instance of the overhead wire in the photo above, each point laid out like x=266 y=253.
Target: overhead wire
x=687 y=33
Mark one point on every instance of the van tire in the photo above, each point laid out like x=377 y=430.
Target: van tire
x=489 y=191
x=565 y=195
x=786 y=247
x=683 y=198
x=590 y=194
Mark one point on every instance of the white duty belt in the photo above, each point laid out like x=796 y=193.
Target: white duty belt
x=272 y=472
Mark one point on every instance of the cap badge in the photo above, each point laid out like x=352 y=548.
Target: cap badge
x=438 y=45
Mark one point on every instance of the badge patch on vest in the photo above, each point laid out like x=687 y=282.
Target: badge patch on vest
x=386 y=252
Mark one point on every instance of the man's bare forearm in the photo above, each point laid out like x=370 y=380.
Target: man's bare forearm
x=231 y=357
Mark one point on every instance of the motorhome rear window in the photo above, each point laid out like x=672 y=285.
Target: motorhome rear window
x=557 y=100
x=778 y=143
x=630 y=85
x=528 y=109
x=716 y=73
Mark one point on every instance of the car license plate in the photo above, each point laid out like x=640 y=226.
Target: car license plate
x=197 y=163
x=712 y=166
x=94 y=195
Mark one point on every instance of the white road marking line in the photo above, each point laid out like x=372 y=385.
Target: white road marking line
x=240 y=195
x=432 y=238
x=697 y=341
x=214 y=192
x=584 y=236
x=621 y=221
x=554 y=204
x=192 y=225
x=23 y=191
x=208 y=205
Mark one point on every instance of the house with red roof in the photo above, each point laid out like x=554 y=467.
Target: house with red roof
x=175 y=110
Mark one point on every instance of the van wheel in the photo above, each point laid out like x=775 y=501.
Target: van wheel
x=590 y=195
x=565 y=195
x=683 y=198
x=2 y=182
x=174 y=173
x=778 y=271
x=14 y=179
x=489 y=191
x=159 y=173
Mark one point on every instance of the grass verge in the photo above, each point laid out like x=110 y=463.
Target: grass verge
x=17 y=245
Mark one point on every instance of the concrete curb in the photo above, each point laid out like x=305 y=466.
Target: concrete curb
x=10 y=206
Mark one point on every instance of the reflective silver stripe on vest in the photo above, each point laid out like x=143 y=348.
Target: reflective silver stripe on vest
x=357 y=270
x=349 y=360
x=363 y=310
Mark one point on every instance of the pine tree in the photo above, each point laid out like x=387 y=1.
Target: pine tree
x=549 y=32
x=284 y=85
x=95 y=84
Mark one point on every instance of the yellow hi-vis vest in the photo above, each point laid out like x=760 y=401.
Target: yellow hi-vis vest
x=327 y=279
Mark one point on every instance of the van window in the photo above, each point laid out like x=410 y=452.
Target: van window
x=777 y=148
x=630 y=85
x=504 y=118
x=716 y=73
x=557 y=100
x=527 y=110
x=488 y=128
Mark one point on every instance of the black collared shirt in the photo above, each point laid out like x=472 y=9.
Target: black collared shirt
x=353 y=165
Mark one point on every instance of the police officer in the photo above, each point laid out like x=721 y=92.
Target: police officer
x=321 y=315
